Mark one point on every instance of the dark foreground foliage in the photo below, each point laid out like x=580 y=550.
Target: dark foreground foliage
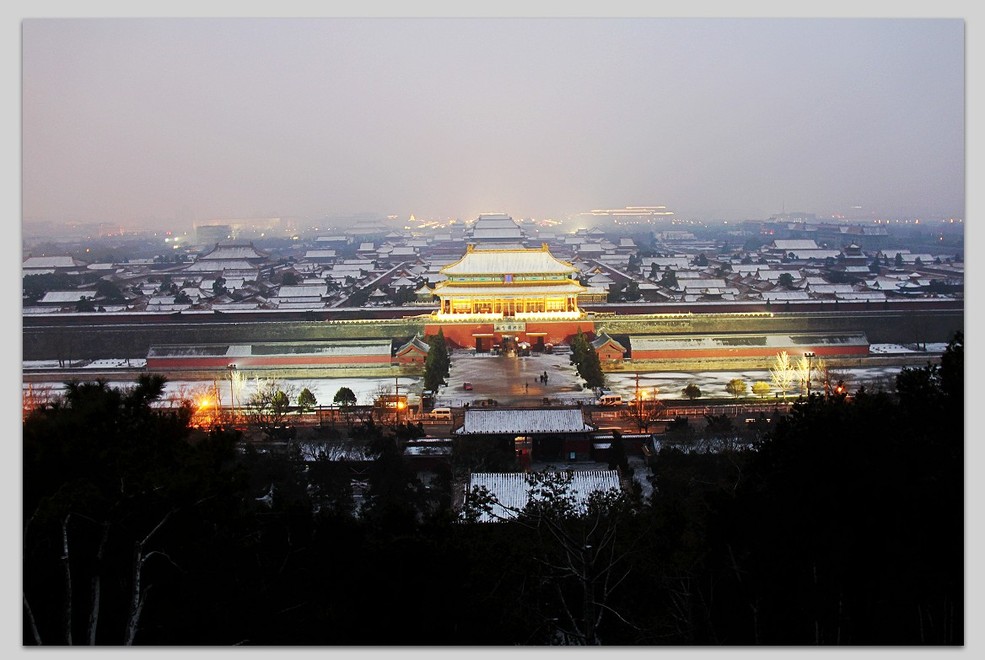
x=843 y=526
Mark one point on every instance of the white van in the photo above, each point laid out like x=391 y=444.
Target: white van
x=441 y=413
x=610 y=400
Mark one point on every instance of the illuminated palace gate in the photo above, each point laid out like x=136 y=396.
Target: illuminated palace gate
x=503 y=297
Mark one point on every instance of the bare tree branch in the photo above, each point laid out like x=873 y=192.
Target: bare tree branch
x=66 y=565
x=97 y=585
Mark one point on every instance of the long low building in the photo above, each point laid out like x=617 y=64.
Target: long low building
x=371 y=352
x=678 y=347
x=536 y=433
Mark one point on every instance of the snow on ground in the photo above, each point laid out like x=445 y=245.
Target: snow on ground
x=508 y=380
x=108 y=363
x=324 y=389
x=908 y=348
x=50 y=365
x=118 y=363
x=712 y=383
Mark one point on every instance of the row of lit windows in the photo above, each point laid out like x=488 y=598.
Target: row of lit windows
x=521 y=305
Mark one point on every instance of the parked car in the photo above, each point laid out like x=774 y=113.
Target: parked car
x=467 y=386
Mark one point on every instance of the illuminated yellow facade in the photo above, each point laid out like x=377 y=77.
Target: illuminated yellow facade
x=499 y=283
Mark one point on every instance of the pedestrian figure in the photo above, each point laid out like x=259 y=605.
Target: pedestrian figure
x=526 y=387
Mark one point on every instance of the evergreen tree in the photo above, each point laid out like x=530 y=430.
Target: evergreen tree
x=437 y=364
x=344 y=397
x=307 y=400
x=112 y=486
x=587 y=362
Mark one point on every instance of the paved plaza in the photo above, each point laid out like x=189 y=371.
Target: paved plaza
x=512 y=381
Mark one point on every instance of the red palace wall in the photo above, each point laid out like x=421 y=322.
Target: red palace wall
x=414 y=357
x=610 y=354
x=460 y=335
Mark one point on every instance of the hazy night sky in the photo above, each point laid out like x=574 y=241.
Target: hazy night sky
x=139 y=121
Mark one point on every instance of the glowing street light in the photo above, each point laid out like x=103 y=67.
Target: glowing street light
x=810 y=355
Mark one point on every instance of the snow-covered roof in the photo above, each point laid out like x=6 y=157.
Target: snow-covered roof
x=774 y=275
x=214 y=265
x=233 y=306
x=524 y=420
x=225 y=251
x=299 y=303
x=302 y=290
x=794 y=244
x=663 y=262
x=498 y=262
x=595 y=291
x=782 y=295
x=777 y=341
x=415 y=343
x=604 y=339
x=319 y=254
x=830 y=288
x=821 y=255
x=62 y=297
x=348 y=268
x=496 y=233
x=33 y=311
x=498 y=220
x=590 y=248
x=861 y=295
x=513 y=490
x=701 y=284
x=321 y=348
x=51 y=262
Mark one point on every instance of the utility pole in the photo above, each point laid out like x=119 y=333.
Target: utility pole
x=396 y=396
x=232 y=394
x=810 y=355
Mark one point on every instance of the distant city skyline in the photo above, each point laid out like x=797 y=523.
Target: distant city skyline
x=146 y=121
